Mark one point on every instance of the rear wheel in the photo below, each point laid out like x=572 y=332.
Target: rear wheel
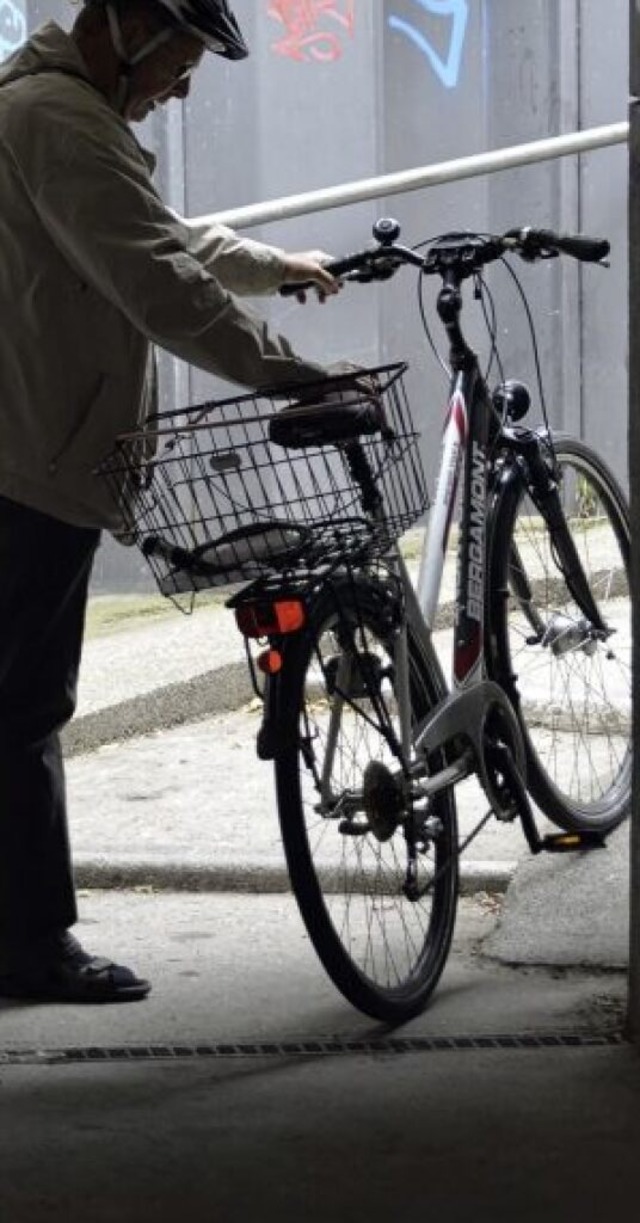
x=572 y=687
x=361 y=855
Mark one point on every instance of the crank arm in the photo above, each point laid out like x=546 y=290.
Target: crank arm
x=465 y=714
x=450 y=776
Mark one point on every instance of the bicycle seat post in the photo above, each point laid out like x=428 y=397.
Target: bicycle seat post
x=363 y=477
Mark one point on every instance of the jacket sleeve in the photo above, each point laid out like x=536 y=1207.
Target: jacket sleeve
x=242 y=265
x=92 y=189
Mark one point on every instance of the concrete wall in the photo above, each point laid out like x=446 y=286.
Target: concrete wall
x=634 y=474
x=602 y=208
x=379 y=85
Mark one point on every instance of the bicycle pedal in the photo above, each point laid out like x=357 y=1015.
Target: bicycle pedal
x=573 y=842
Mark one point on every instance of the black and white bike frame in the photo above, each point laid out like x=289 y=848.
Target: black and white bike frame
x=474 y=701
x=464 y=449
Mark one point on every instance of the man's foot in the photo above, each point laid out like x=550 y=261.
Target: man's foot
x=61 y=971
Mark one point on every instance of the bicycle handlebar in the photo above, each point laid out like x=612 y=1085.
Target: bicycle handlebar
x=347 y=264
x=535 y=243
x=464 y=252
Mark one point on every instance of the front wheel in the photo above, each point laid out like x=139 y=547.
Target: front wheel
x=374 y=874
x=570 y=684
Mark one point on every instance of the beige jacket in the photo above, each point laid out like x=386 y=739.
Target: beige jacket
x=94 y=268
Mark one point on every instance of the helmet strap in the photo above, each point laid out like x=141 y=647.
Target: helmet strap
x=129 y=62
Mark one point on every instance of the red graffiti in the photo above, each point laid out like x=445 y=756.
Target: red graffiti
x=309 y=26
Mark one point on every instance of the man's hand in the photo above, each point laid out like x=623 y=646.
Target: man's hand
x=309 y=265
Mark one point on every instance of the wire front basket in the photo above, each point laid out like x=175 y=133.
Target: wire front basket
x=212 y=499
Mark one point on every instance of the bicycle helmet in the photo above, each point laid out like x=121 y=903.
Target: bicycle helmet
x=209 y=20
x=212 y=22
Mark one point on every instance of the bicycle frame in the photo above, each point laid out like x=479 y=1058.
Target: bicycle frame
x=473 y=698
x=464 y=448
x=477 y=710
x=474 y=727
x=463 y=711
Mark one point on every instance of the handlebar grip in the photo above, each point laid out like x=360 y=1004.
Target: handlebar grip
x=588 y=250
x=335 y=267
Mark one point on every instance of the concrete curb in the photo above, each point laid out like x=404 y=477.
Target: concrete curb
x=164 y=873
x=218 y=691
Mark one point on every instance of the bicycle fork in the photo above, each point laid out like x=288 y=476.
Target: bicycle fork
x=543 y=487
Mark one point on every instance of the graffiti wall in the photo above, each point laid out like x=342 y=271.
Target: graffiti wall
x=13 y=26
x=312 y=31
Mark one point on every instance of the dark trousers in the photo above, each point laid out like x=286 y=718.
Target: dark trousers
x=44 y=574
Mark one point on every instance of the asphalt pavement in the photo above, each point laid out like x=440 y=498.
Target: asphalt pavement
x=245 y=1087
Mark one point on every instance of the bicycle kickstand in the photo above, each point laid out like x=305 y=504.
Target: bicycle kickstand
x=554 y=842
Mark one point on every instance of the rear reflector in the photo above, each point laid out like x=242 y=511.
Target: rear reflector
x=269 y=619
x=270 y=662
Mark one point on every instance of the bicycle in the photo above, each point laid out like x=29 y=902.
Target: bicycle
x=302 y=494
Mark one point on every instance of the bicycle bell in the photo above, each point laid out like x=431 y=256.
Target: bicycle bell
x=511 y=400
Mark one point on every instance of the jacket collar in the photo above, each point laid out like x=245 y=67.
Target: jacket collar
x=50 y=49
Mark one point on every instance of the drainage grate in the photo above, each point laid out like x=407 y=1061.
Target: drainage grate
x=325 y=1047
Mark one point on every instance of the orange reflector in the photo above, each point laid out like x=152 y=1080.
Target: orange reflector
x=270 y=662
x=290 y=615
x=269 y=619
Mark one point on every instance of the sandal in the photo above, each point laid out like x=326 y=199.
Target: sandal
x=73 y=976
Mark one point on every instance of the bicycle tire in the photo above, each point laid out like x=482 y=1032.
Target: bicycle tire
x=384 y=952
x=573 y=700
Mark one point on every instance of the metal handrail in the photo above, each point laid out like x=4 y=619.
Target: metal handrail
x=422 y=176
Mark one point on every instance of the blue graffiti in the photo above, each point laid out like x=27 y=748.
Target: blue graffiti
x=13 y=27
x=448 y=70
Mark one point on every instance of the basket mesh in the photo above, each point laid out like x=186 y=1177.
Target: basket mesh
x=212 y=501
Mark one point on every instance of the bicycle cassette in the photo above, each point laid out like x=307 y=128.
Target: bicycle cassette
x=383 y=800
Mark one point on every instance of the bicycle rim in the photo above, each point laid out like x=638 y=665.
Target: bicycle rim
x=573 y=692
x=383 y=951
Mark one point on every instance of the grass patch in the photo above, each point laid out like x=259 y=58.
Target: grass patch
x=113 y=613
x=109 y=613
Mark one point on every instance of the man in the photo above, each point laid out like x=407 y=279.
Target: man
x=94 y=269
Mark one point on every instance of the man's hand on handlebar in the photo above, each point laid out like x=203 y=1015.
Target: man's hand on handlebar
x=460 y=254
x=308 y=266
